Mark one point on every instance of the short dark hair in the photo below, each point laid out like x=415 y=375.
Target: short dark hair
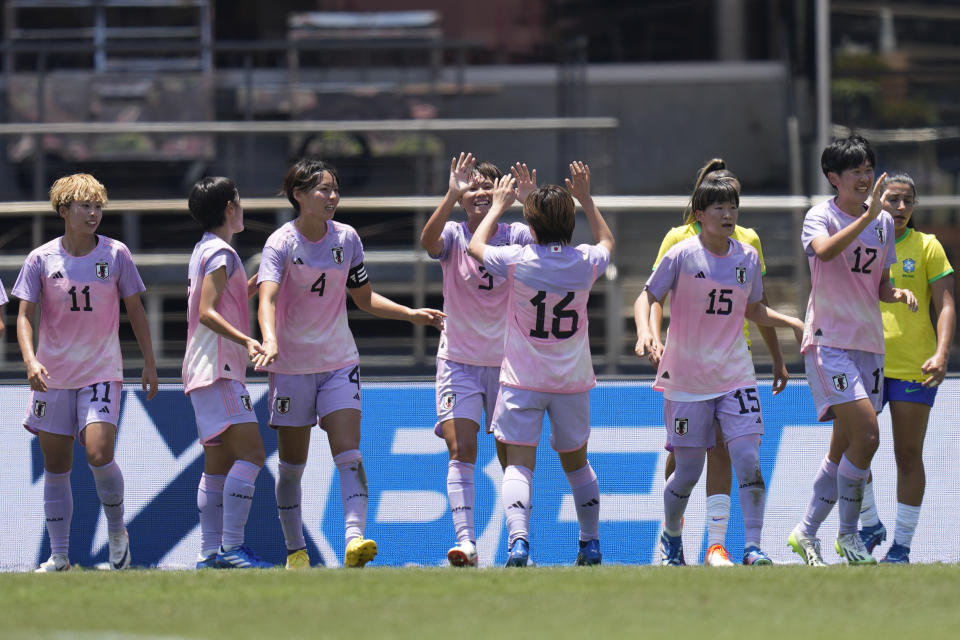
x=713 y=191
x=847 y=153
x=208 y=200
x=488 y=170
x=550 y=212
x=305 y=174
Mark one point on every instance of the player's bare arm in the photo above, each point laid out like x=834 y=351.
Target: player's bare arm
x=211 y=290
x=150 y=382
x=829 y=247
x=37 y=374
x=461 y=175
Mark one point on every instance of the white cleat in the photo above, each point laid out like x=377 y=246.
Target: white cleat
x=807 y=547
x=463 y=555
x=119 y=550
x=850 y=547
x=56 y=562
x=717 y=556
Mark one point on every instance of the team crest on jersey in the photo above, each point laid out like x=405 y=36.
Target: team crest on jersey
x=741 y=275
x=247 y=404
x=447 y=401
x=39 y=408
x=681 y=426
x=909 y=265
x=283 y=404
x=102 y=270
x=879 y=229
x=337 y=254
x=840 y=382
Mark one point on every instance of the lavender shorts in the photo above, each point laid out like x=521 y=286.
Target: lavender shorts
x=298 y=400
x=518 y=418
x=836 y=376
x=691 y=424
x=67 y=412
x=219 y=406
x=465 y=391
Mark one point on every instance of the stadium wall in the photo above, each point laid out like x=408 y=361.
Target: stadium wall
x=406 y=465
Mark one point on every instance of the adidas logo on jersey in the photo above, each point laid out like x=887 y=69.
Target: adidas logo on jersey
x=226 y=367
x=818 y=332
x=699 y=275
x=105 y=410
x=57 y=275
x=356 y=396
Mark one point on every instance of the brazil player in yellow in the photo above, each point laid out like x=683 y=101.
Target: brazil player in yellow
x=718 y=460
x=915 y=363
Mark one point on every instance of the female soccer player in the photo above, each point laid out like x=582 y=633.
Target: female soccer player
x=718 y=459
x=850 y=247
x=308 y=267
x=546 y=359
x=704 y=369
x=916 y=362
x=214 y=369
x=76 y=373
x=471 y=344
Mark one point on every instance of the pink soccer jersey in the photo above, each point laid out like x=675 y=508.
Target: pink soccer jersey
x=209 y=355
x=312 y=331
x=474 y=298
x=843 y=309
x=79 y=299
x=547 y=345
x=706 y=351
x=3 y=295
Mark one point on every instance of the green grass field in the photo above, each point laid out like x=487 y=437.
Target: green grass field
x=919 y=601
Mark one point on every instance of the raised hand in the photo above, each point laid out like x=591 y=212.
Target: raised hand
x=461 y=173
x=876 y=199
x=578 y=184
x=526 y=180
x=504 y=192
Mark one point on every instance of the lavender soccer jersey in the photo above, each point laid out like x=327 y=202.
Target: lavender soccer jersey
x=209 y=355
x=474 y=298
x=843 y=309
x=79 y=299
x=705 y=351
x=3 y=295
x=547 y=344
x=312 y=331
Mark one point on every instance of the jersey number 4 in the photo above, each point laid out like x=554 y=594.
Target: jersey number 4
x=560 y=314
x=319 y=285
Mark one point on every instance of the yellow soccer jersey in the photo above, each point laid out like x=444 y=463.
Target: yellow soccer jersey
x=743 y=234
x=910 y=337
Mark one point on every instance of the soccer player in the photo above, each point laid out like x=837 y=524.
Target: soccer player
x=546 y=361
x=308 y=267
x=916 y=362
x=471 y=344
x=704 y=369
x=214 y=370
x=76 y=373
x=718 y=459
x=850 y=247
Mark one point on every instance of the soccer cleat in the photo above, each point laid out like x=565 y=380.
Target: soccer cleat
x=897 y=554
x=56 y=562
x=519 y=553
x=359 y=552
x=872 y=536
x=463 y=555
x=589 y=553
x=807 y=547
x=753 y=556
x=850 y=546
x=207 y=562
x=717 y=556
x=119 y=550
x=240 y=558
x=671 y=550
x=298 y=559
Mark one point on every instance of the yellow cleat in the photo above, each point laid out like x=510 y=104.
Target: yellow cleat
x=298 y=559
x=359 y=552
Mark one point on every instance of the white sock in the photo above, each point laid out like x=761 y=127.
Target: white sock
x=718 y=517
x=868 y=507
x=353 y=492
x=907 y=518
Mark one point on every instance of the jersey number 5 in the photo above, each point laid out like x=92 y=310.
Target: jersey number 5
x=487 y=284
x=560 y=313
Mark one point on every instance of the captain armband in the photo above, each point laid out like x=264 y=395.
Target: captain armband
x=357 y=277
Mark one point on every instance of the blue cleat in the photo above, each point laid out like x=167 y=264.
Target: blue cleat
x=872 y=536
x=519 y=553
x=671 y=550
x=589 y=554
x=753 y=556
x=207 y=562
x=897 y=554
x=240 y=558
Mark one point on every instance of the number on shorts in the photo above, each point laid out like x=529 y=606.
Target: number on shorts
x=751 y=396
x=354 y=376
x=877 y=377
x=106 y=392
